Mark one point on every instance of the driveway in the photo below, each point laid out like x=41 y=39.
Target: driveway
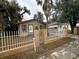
x=67 y=51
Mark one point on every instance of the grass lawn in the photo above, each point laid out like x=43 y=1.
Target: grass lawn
x=33 y=55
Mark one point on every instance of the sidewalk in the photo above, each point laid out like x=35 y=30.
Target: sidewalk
x=66 y=51
x=73 y=36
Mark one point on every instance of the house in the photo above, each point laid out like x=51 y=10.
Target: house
x=55 y=28
x=77 y=28
x=27 y=27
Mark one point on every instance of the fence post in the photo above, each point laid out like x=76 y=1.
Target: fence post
x=34 y=44
x=36 y=35
x=7 y=40
x=45 y=35
x=12 y=39
x=2 y=41
x=18 y=39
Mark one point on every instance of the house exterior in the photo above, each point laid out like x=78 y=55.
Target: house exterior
x=77 y=29
x=28 y=27
x=55 y=28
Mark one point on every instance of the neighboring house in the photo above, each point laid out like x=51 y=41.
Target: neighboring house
x=28 y=27
x=77 y=29
x=55 y=28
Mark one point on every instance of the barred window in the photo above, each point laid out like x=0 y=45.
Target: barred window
x=24 y=28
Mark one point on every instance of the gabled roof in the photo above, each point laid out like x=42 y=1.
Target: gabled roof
x=31 y=21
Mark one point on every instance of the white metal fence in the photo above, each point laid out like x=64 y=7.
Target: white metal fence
x=13 y=39
x=55 y=33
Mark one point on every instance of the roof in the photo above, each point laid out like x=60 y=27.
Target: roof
x=31 y=21
x=52 y=26
x=77 y=25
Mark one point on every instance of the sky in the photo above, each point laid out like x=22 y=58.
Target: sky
x=32 y=6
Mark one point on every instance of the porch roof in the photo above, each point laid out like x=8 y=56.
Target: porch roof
x=31 y=21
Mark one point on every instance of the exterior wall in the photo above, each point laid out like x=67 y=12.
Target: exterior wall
x=78 y=30
x=34 y=23
x=75 y=30
x=37 y=28
x=56 y=28
x=45 y=36
x=36 y=35
x=40 y=39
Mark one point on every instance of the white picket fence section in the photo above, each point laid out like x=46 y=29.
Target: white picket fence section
x=12 y=39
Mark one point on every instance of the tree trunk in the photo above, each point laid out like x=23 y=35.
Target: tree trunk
x=71 y=24
x=47 y=25
x=47 y=19
x=72 y=30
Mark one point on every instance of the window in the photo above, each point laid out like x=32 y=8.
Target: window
x=36 y=28
x=30 y=29
x=24 y=28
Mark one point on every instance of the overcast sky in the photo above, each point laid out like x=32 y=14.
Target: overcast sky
x=32 y=6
